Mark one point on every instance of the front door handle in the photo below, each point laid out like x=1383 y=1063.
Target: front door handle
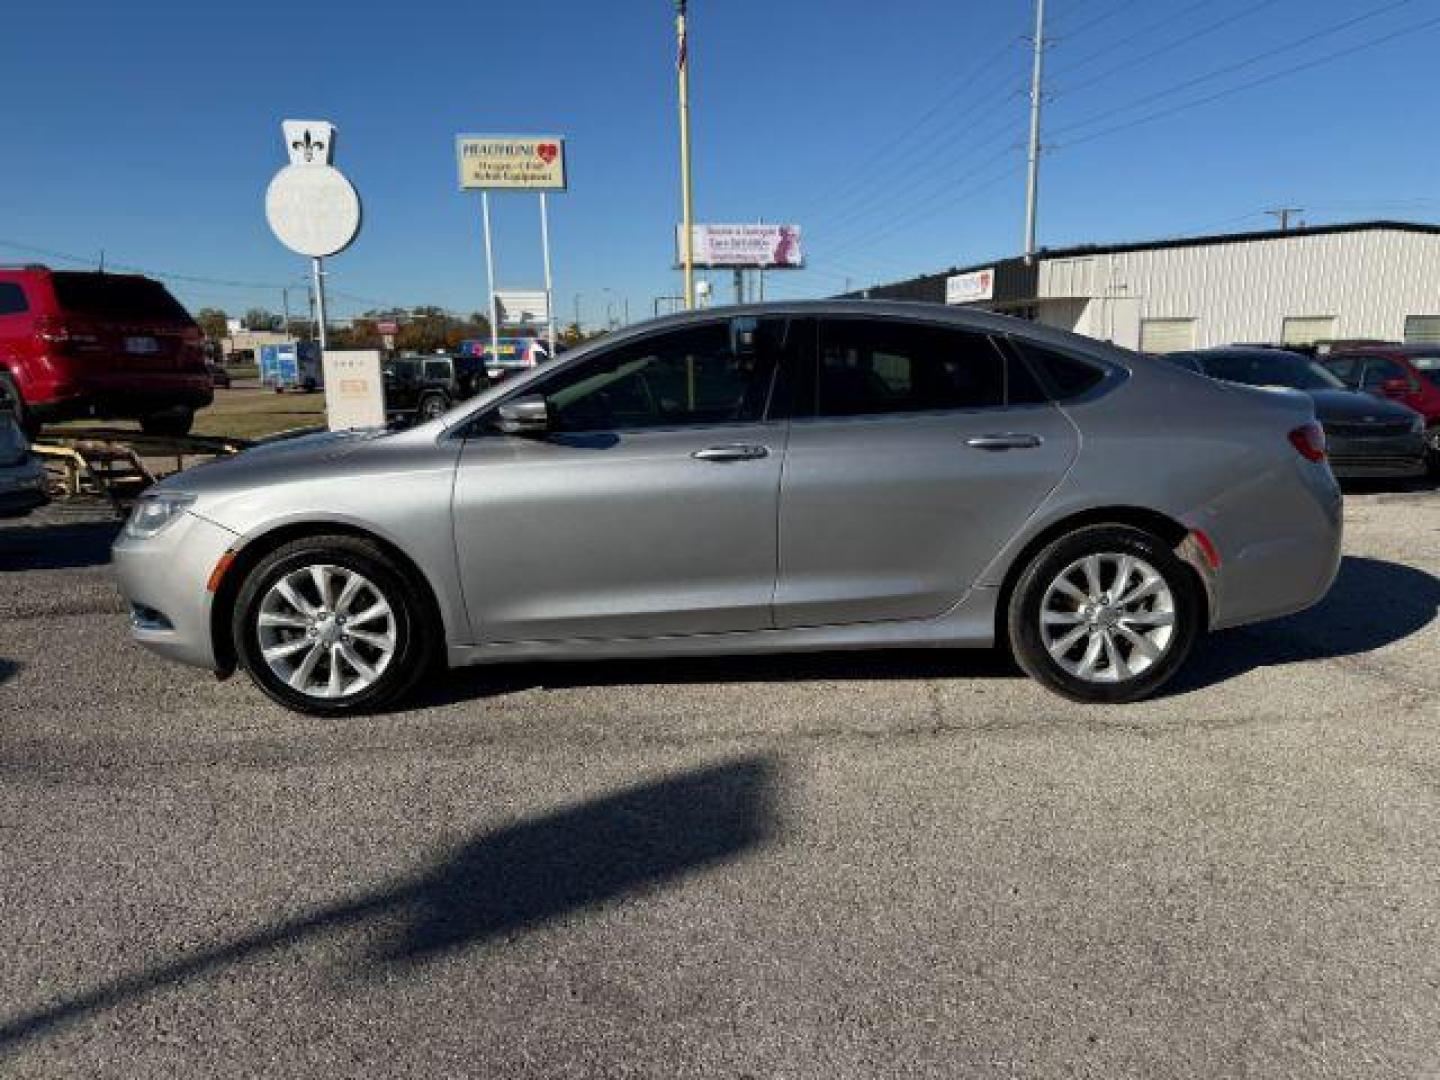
x=1009 y=440
x=732 y=452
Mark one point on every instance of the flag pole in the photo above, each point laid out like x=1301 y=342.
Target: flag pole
x=687 y=223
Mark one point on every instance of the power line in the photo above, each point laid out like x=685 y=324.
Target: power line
x=1129 y=64
x=1238 y=65
x=849 y=184
x=1260 y=81
x=921 y=209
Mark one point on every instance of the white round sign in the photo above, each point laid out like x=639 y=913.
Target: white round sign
x=313 y=209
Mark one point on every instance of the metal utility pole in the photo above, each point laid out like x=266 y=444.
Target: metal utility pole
x=1282 y=215
x=577 y=313
x=1032 y=181
x=687 y=214
x=317 y=269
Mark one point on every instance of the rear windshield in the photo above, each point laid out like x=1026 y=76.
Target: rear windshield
x=116 y=296
x=1270 y=369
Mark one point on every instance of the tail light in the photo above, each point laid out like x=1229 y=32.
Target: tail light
x=65 y=336
x=1309 y=441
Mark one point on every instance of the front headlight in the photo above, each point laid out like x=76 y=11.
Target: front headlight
x=153 y=512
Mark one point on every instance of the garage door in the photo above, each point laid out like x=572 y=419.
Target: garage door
x=1308 y=330
x=1166 y=335
x=1422 y=329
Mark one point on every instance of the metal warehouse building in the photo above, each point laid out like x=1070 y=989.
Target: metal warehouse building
x=1374 y=279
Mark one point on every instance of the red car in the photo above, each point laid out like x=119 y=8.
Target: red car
x=111 y=346
x=1409 y=374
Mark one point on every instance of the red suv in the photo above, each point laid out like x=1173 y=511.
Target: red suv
x=1409 y=374
x=111 y=346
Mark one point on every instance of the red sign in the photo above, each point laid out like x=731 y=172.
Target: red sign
x=387 y=328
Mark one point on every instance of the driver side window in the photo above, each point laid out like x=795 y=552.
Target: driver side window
x=687 y=377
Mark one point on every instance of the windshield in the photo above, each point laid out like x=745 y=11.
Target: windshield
x=1271 y=369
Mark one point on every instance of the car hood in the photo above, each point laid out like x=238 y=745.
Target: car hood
x=1351 y=406
x=274 y=461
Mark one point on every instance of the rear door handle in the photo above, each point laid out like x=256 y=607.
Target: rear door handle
x=732 y=452
x=1009 y=440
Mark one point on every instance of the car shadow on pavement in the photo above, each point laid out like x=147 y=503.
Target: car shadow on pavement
x=1349 y=620
x=1373 y=603
x=8 y=668
x=468 y=684
x=57 y=547
x=596 y=852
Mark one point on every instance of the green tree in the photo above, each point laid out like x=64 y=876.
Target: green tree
x=260 y=319
x=213 y=323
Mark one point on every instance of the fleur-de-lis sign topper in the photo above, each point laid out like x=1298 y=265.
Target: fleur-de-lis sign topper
x=309 y=142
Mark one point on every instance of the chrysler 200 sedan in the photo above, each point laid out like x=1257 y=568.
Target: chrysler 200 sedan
x=808 y=476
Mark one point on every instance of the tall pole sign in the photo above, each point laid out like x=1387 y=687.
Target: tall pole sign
x=513 y=163
x=687 y=209
x=312 y=208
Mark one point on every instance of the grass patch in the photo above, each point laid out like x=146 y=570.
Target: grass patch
x=248 y=413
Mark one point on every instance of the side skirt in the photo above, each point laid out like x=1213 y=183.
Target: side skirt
x=968 y=625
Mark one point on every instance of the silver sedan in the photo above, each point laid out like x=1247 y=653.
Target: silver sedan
x=783 y=477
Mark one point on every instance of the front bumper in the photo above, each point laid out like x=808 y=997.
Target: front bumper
x=164 y=578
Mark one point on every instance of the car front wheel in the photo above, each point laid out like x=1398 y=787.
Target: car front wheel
x=330 y=626
x=1107 y=613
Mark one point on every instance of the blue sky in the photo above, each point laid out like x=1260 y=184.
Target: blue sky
x=890 y=132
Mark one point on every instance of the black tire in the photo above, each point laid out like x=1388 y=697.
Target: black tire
x=170 y=424
x=12 y=399
x=416 y=629
x=1432 y=454
x=431 y=406
x=309 y=386
x=1024 y=613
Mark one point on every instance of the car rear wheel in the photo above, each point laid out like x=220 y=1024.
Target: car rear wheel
x=1107 y=613
x=171 y=424
x=331 y=626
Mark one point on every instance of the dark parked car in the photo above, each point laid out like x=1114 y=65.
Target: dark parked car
x=111 y=346
x=219 y=377
x=1366 y=437
x=1409 y=374
x=424 y=387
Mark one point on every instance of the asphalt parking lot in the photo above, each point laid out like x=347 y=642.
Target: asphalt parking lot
x=838 y=866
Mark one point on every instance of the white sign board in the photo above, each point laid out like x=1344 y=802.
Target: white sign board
x=312 y=209
x=969 y=288
x=511 y=163
x=522 y=307
x=742 y=245
x=354 y=389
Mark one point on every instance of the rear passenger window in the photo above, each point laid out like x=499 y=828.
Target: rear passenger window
x=871 y=368
x=12 y=299
x=1068 y=376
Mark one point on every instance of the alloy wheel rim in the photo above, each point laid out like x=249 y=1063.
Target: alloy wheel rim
x=326 y=631
x=1108 y=618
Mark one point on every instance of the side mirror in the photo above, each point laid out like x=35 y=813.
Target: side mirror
x=528 y=415
x=1395 y=387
